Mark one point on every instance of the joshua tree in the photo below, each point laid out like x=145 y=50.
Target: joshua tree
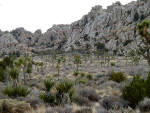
x=58 y=66
x=8 y=63
x=29 y=69
x=24 y=63
x=14 y=73
x=145 y=36
x=77 y=61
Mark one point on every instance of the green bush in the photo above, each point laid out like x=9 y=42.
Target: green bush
x=75 y=73
x=64 y=86
x=49 y=83
x=14 y=73
x=48 y=98
x=148 y=85
x=18 y=91
x=112 y=64
x=2 y=73
x=82 y=74
x=82 y=81
x=135 y=91
x=89 y=76
x=136 y=16
x=117 y=77
x=29 y=68
x=72 y=94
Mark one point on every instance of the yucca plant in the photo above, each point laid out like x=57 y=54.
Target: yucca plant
x=18 y=91
x=64 y=86
x=75 y=73
x=8 y=91
x=48 y=98
x=2 y=73
x=77 y=61
x=14 y=72
x=72 y=94
x=89 y=76
x=49 y=83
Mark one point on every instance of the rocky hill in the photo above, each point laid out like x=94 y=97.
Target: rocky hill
x=114 y=27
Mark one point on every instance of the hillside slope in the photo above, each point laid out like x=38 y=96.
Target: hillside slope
x=115 y=27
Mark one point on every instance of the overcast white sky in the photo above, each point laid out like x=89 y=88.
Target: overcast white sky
x=42 y=14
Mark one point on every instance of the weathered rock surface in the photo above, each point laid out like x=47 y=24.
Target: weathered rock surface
x=115 y=27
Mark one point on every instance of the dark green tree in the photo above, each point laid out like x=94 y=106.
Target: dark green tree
x=145 y=36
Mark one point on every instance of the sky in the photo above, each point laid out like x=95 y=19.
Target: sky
x=42 y=14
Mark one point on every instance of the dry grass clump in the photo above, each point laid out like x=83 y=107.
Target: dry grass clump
x=14 y=106
x=84 y=110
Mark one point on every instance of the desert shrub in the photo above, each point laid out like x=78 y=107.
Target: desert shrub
x=8 y=61
x=135 y=91
x=72 y=94
x=64 y=86
x=99 y=45
x=145 y=105
x=64 y=89
x=82 y=81
x=112 y=63
x=60 y=109
x=82 y=101
x=83 y=74
x=49 y=83
x=117 y=77
x=48 y=98
x=148 y=85
x=29 y=68
x=2 y=73
x=75 y=73
x=89 y=93
x=89 y=76
x=136 y=17
x=84 y=110
x=18 y=91
x=114 y=103
x=14 y=73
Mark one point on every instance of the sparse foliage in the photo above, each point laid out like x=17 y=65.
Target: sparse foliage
x=117 y=77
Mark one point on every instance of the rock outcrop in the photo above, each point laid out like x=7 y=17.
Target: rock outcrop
x=115 y=27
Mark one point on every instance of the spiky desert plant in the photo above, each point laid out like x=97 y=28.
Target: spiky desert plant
x=17 y=91
x=49 y=83
x=77 y=61
x=14 y=73
x=64 y=86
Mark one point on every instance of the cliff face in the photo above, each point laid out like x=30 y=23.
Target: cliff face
x=115 y=27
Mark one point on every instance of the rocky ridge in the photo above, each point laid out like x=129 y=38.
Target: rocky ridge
x=115 y=27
